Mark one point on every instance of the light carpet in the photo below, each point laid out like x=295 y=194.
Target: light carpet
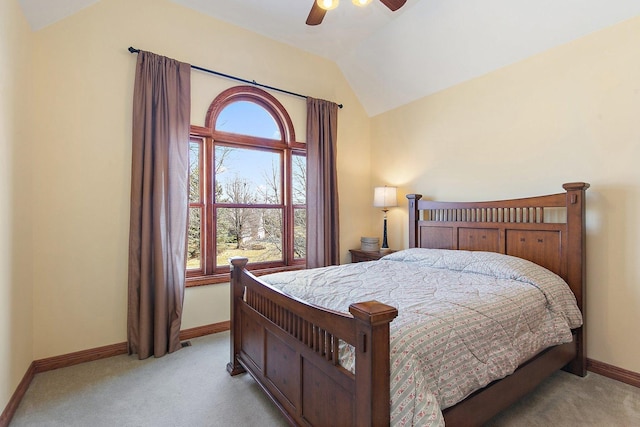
x=191 y=387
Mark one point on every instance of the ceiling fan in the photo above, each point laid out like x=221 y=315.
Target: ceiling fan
x=320 y=7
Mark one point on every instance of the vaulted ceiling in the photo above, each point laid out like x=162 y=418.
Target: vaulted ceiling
x=393 y=58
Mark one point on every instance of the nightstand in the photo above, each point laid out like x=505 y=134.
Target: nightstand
x=358 y=255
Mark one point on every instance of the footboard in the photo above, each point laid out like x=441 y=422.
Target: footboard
x=291 y=348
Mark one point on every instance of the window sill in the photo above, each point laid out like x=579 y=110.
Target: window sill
x=224 y=277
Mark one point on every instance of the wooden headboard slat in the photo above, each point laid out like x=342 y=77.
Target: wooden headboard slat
x=552 y=200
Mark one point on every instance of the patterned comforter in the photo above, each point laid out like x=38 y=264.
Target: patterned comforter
x=465 y=319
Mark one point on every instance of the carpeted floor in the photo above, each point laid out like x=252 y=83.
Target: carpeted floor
x=192 y=388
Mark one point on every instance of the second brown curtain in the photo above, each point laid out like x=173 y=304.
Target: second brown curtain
x=323 y=246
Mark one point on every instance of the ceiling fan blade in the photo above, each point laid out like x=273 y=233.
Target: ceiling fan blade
x=316 y=15
x=394 y=4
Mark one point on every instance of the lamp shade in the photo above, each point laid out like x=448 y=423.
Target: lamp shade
x=385 y=197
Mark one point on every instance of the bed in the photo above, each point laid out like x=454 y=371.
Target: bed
x=296 y=349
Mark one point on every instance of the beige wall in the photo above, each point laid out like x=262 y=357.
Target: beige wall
x=83 y=77
x=569 y=114
x=16 y=326
x=565 y=115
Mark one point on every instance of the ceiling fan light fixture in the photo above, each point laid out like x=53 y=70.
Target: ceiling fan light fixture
x=361 y=3
x=328 y=4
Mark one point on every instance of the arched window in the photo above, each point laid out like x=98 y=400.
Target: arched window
x=247 y=187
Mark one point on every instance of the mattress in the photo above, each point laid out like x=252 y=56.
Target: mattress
x=465 y=319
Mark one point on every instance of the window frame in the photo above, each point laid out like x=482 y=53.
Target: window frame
x=209 y=137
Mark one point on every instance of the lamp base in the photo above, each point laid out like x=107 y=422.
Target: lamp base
x=384 y=250
x=385 y=245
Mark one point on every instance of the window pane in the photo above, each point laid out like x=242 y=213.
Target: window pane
x=299 y=233
x=247 y=176
x=299 y=172
x=248 y=118
x=194 y=243
x=252 y=233
x=194 y=171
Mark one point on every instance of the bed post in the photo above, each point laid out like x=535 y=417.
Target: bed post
x=373 y=371
x=576 y=266
x=414 y=217
x=236 y=291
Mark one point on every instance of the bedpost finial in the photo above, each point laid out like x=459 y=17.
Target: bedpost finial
x=373 y=312
x=238 y=261
x=573 y=186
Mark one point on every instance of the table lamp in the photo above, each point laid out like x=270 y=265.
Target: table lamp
x=385 y=197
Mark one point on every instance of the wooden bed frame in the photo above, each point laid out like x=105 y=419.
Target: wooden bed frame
x=290 y=347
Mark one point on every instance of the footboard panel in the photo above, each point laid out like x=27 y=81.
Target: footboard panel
x=292 y=350
x=285 y=367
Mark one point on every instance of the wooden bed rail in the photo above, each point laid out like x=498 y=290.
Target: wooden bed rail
x=292 y=348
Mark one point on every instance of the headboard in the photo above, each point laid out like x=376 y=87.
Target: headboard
x=548 y=230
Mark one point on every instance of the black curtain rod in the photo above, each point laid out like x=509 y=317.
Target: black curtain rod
x=251 y=82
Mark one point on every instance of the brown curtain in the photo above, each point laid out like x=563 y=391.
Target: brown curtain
x=159 y=188
x=322 y=184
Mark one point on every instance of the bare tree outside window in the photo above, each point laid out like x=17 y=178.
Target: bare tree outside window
x=299 y=179
x=241 y=223
x=250 y=182
x=299 y=196
x=194 y=249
